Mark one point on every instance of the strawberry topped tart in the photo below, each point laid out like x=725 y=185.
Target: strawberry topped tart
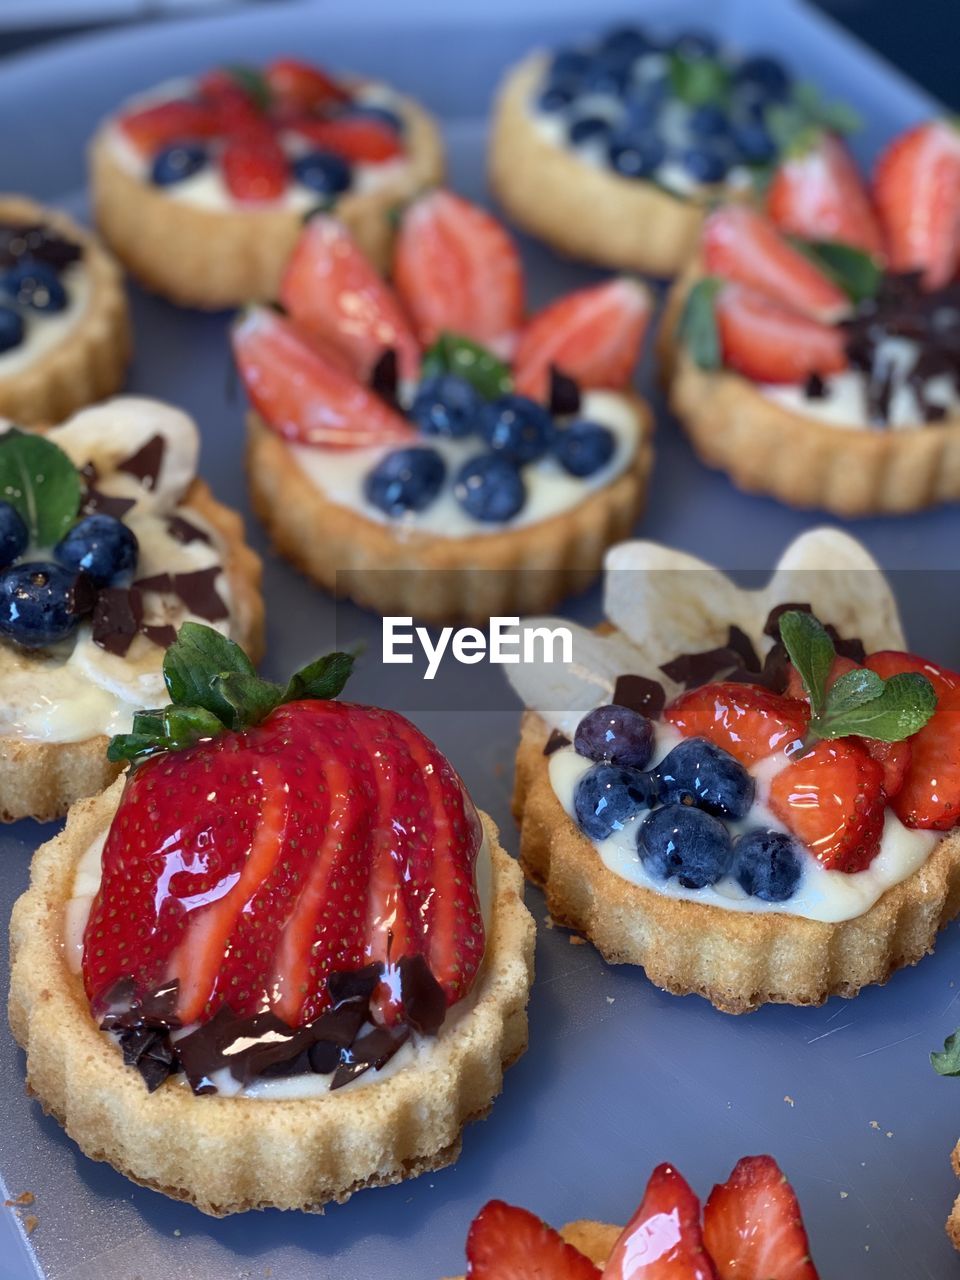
x=200 y=185
x=433 y=426
x=815 y=345
x=284 y=958
x=750 y=1228
x=752 y=794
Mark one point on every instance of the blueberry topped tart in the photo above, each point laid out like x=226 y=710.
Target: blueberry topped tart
x=434 y=426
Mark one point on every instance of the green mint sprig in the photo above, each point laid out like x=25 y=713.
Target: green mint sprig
x=698 y=324
x=252 y=82
x=214 y=688
x=699 y=81
x=855 y=272
x=486 y=373
x=40 y=481
x=947 y=1062
x=859 y=702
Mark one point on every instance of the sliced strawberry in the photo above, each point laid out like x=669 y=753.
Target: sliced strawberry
x=180 y=121
x=237 y=112
x=254 y=169
x=831 y=797
x=917 y=190
x=663 y=1239
x=753 y=1228
x=359 y=139
x=304 y=391
x=839 y=667
x=593 y=335
x=741 y=245
x=818 y=194
x=770 y=343
x=507 y=1243
x=892 y=662
x=894 y=759
x=302 y=86
x=457 y=270
x=745 y=719
x=330 y=288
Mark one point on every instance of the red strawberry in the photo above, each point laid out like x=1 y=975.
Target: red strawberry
x=894 y=759
x=891 y=662
x=831 y=797
x=745 y=719
x=663 y=1240
x=840 y=667
x=819 y=195
x=457 y=270
x=592 y=335
x=255 y=169
x=753 y=1228
x=155 y=127
x=741 y=245
x=304 y=391
x=331 y=290
x=770 y=343
x=299 y=85
x=917 y=191
x=237 y=113
x=358 y=139
x=507 y=1243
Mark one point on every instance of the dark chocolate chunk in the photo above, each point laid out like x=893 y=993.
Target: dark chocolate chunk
x=815 y=388
x=639 y=693
x=424 y=1001
x=161 y=582
x=162 y=634
x=695 y=669
x=145 y=464
x=117 y=617
x=742 y=645
x=374 y=1049
x=35 y=240
x=183 y=531
x=564 y=397
x=852 y=648
x=84 y=595
x=323 y=1057
x=358 y=984
x=104 y=504
x=385 y=376
x=555 y=742
x=199 y=594
x=771 y=627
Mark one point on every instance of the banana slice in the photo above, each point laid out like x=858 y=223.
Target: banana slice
x=136 y=678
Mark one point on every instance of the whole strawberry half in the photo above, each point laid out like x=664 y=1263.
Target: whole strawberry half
x=167 y=122
x=818 y=194
x=359 y=140
x=296 y=84
x=916 y=187
x=769 y=342
x=752 y=1225
x=663 y=1240
x=509 y=1243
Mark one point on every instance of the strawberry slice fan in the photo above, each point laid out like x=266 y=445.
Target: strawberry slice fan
x=750 y=1229
x=831 y=306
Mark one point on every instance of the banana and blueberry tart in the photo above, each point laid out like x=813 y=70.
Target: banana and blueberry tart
x=64 y=329
x=201 y=184
x=613 y=152
x=816 y=344
x=433 y=426
x=108 y=542
x=284 y=958
x=753 y=795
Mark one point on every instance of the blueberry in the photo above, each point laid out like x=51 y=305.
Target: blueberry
x=568 y=64
x=697 y=772
x=42 y=603
x=517 y=427
x=490 y=488
x=643 y=104
x=405 y=480
x=616 y=735
x=636 y=155
x=588 y=129
x=322 y=171
x=34 y=284
x=705 y=164
x=584 y=447
x=768 y=865
x=753 y=142
x=11 y=328
x=687 y=843
x=709 y=121
x=766 y=75
x=177 y=162
x=14 y=534
x=626 y=42
x=556 y=97
x=607 y=74
x=375 y=111
x=446 y=405
x=696 y=44
x=607 y=796
x=101 y=546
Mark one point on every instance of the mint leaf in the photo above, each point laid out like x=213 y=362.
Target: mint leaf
x=854 y=271
x=698 y=324
x=851 y=690
x=947 y=1063
x=811 y=651
x=40 y=481
x=902 y=707
x=251 y=698
x=197 y=655
x=322 y=678
x=837 y=117
x=253 y=84
x=451 y=353
x=699 y=81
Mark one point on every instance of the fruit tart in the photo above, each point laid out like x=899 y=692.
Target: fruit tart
x=814 y=345
x=398 y=433
x=201 y=184
x=64 y=328
x=750 y=1228
x=613 y=152
x=108 y=542
x=752 y=794
x=283 y=959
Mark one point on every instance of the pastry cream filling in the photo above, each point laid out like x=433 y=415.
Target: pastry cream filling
x=44 y=330
x=339 y=474
x=417 y=1050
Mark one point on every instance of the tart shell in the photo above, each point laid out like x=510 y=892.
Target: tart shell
x=226 y=1155
x=91 y=360
x=214 y=258
x=438 y=579
x=43 y=779
x=735 y=959
x=953 y=1222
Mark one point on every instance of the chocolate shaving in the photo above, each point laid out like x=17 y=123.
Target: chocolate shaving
x=161 y=582
x=105 y=504
x=20 y=240
x=374 y=1048
x=424 y=1000
x=356 y=984
x=385 y=376
x=771 y=627
x=183 y=531
x=815 y=388
x=198 y=593
x=847 y=647
x=742 y=645
x=638 y=693
x=161 y=634
x=143 y=1028
x=564 y=396
x=117 y=618
x=555 y=742
x=145 y=464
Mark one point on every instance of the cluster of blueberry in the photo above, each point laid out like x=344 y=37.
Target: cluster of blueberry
x=645 y=104
x=28 y=286
x=324 y=172
x=43 y=601
x=689 y=794
x=490 y=486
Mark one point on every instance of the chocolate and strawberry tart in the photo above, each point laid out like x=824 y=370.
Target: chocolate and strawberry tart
x=64 y=328
x=613 y=152
x=815 y=346
x=750 y=1228
x=752 y=794
x=285 y=958
x=398 y=433
x=200 y=185
x=108 y=542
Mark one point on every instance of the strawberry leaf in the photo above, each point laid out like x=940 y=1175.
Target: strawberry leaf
x=197 y=655
x=322 y=678
x=468 y=360
x=811 y=651
x=947 y=1063
x=40 y=481
x=698 y=324
x=251 y=698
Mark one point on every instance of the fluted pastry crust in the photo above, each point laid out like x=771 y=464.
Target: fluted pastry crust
x=953 y=1222
x=226 y=1155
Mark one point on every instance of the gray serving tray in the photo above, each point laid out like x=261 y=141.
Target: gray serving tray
x=618 y=1076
